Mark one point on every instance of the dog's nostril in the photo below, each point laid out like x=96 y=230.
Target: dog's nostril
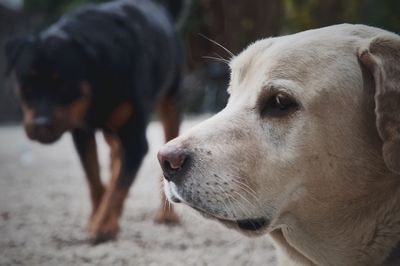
x=170 y=167
x=175 y=161
x=172 y=159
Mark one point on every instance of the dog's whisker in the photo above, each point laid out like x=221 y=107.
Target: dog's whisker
x=245 y=211
x=246 y=189
x=220 y=56
x=228 y=197
x=224 y=194
x=234 y=241
x=218 y=44
x=244 y=185
x=227 y=210
x=236 y=202
x=165 y=205
x=169 y=205
x=244 y=198
x=216 y=59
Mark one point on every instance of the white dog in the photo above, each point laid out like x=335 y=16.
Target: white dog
x=306 y=150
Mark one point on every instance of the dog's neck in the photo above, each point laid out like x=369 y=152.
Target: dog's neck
x=371 y=232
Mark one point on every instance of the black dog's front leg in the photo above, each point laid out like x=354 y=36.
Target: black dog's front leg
x=128 y=148
x=85 y=144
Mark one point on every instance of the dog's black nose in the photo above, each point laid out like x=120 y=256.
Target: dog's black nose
x=42 y=121
x=173 y=160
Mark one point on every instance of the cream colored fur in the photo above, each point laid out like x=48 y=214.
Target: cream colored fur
x=319 y=175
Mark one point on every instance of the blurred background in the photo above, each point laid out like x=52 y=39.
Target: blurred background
x=232 y=23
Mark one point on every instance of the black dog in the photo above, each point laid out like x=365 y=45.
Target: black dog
x=102 y=67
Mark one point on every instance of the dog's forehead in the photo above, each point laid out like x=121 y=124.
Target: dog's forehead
x=303 y=57
x=327 y=38
x=286 y=54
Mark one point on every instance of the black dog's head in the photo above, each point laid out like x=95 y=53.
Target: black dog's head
x=52 y=84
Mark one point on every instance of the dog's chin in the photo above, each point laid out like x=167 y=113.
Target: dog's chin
x=46 y=138
x=49 y=140
x=250 y=226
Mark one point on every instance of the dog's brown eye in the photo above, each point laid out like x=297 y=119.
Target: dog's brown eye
x=279 y=105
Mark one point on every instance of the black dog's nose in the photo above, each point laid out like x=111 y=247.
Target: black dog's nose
x=172 y=159
x=42 y=121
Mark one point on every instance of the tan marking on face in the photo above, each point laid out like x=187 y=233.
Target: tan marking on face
x=120 y=115
x=73 y=114
x=32 y=71
x=55 y=76
x=28 y=114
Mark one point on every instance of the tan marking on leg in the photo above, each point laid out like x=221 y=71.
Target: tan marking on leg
x=115 y=154
x=170 y=119
x=119 y=116
x=105 y=223
x=92 y=169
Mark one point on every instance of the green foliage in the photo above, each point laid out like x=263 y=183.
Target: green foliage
x=299 y=14
x=384 y=14
x=306 y=14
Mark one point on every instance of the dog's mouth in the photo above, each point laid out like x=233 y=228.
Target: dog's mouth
x=44 y=134
x=46 y=138
x=250 y=225
x=253 y=226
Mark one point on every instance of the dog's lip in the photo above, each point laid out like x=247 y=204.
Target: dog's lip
x=253 y=224
x=47 y=139
x=247 y=224
x=175 y=199
x=173 y=195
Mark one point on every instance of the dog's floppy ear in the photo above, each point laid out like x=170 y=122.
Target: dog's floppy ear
x=87 y=48
x=382 y=58
x=14 y=49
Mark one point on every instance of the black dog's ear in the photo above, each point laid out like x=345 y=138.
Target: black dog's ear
x=14 y=49
x=86 y=48
x=382 y=58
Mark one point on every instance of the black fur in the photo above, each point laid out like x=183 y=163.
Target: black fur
x=126 y=50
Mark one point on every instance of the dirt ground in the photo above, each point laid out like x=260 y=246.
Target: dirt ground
x=44 y=205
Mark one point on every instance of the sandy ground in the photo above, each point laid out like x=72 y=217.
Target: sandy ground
x=44 y=205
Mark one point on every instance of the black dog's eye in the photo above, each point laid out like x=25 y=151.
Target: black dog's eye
x=279 y=105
